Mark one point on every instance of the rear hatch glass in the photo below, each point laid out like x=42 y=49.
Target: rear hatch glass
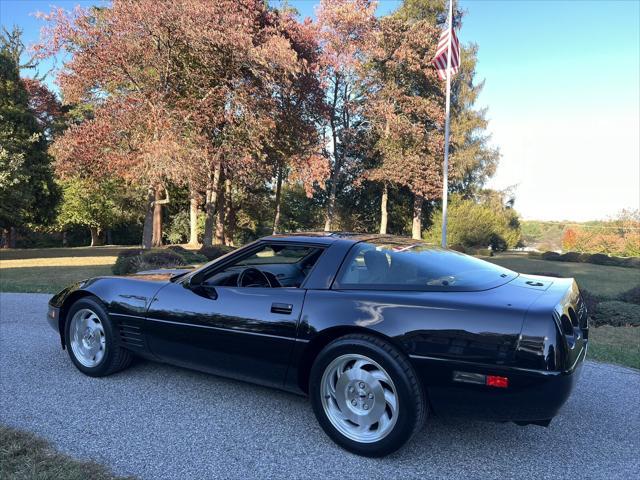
x=402 y=265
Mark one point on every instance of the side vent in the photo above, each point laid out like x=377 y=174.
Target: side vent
x=131 y=336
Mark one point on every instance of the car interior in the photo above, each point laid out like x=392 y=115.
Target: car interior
x=274 y=266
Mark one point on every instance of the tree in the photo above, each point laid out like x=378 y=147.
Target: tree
x=252 y=73
x=344 y=28
x=405 y=113
x=28 y=193
x=475 y=160
x=185 y=95
x=95 y=205
x=487 y=221
x=11 y=43
x=46 y=107
x=294 y=146
x=126 y=63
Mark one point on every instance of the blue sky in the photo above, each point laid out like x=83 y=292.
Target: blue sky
x=562 y=91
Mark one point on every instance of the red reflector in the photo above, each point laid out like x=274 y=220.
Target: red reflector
x=495 y=381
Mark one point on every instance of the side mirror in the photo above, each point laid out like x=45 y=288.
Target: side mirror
x=193 y=282
x=197 y=286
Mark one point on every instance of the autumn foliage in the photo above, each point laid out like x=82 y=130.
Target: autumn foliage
x=241 y=104
x=620 y=236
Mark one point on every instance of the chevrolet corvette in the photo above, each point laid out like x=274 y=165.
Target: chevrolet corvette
x=378 y=331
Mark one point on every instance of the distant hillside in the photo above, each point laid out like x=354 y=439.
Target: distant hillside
x=543 y=236
x=619 y=236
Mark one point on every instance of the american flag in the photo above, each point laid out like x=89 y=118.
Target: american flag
x=440 y=59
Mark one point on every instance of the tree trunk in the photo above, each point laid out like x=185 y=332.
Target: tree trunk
x=383 y=207
x=157 y=218
x=330 y=207
x=65 y=240
x=193 y=218
x=416 y=230
x=333 y=187
x=95 y=236
x=384 y=199
x=335 y=173
x=210 y=207
x=230 y=214
x=147 y=229
x=220 y=211
x=108 y=236
x=276 y=219
x=12 y=237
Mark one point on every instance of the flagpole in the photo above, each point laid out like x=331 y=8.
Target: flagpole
x=445 y=170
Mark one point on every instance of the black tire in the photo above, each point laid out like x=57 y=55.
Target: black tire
x=115 y=357
x=412 y=401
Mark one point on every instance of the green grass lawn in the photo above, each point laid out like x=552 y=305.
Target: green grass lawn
x=49 y=270
x=24 y=456
x=601 y=280
x=619 y=345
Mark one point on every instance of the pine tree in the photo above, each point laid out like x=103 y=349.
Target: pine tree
x=472 y=159
x=28 y=193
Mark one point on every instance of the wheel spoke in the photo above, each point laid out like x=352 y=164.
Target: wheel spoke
x=391 y=400
x=380 y=376
x=363 y=427
x=384 y=421
x=359 y=364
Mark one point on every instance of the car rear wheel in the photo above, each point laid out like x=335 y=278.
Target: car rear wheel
x=91 y=340
x=366 y=395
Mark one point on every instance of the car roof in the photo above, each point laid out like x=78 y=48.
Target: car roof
x=327 y=238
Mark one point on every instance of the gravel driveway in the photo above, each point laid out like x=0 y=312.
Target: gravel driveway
x=156 y=421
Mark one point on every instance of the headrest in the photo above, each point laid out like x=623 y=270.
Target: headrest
x=376 y=262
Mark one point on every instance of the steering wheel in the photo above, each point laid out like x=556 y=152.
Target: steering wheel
x=252 y=277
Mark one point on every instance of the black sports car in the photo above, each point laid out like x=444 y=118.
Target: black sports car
x=377 y=330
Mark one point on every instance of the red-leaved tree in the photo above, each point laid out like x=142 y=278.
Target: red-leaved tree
x=406 y=113
x=344 y=28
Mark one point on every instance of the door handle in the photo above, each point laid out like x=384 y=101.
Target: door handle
x=285 y=308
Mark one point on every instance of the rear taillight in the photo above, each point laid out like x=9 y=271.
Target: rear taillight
x=496 y=381
x=566 y=325
x=481 y=379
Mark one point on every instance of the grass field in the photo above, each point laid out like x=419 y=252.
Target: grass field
x=601 y=280
x=24 y=456
x=619 y=345
x=50 y=270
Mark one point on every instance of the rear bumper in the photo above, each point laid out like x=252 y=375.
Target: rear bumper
x=53 y=318
x=531 y=395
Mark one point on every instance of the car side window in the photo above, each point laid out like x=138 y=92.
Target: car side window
x=368 y=266
x=416 y=266
x=271 y=266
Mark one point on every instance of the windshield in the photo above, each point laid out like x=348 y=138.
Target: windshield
x=380 y=265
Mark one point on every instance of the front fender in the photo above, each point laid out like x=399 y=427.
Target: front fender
x=128 y=296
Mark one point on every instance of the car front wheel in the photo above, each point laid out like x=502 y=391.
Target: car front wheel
x=366 y=395
x=91 y=340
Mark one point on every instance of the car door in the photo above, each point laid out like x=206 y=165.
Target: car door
x=243 y=332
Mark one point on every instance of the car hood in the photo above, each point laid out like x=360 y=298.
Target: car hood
x=159 y=275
